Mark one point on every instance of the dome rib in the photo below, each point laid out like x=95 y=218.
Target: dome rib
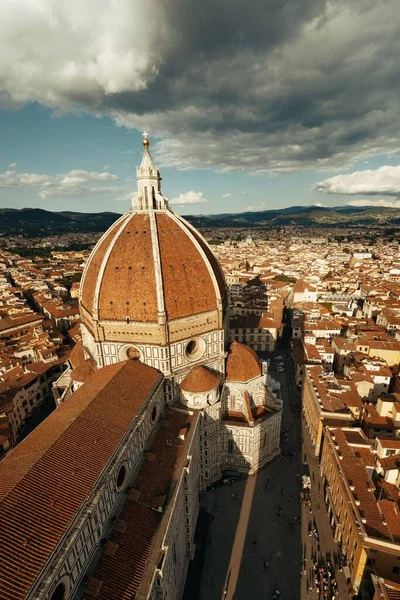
x=188 y=285
x=93 y=265
x=128 y=285
x=215 y=269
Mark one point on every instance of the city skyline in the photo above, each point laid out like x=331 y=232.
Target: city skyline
x=264 y=107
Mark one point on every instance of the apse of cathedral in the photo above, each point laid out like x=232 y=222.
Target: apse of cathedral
x=101 y=500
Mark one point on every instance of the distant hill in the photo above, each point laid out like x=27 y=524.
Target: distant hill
x=35 y=222
x=306 y=216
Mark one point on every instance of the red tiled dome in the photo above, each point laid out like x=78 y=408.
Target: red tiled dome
x=200 y=379
x=120 y=278
x=242 y=364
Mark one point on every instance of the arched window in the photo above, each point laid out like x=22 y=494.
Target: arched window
x=59 y=593
x=121 y=478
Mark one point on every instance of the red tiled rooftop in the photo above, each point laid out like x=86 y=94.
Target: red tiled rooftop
x=138 y=532
x=47 y=477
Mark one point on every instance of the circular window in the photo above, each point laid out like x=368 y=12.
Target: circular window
x=59 y=593
x=121 y=477
x=133 y=353
x=154 y=414
x=195 y=349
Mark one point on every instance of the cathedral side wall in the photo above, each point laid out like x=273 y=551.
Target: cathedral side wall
x=210 y=445
x=83 y=537
x=168 y=578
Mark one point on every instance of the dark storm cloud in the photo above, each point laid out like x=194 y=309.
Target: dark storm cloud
x=265 y=85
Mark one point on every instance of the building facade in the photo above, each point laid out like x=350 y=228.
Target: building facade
x=364 y=522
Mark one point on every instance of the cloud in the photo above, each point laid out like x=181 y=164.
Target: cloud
x=125 y=197
x=246 y=193
x=72 y=184
x=267 y=86
x=385 y=180
x=106 y=167
x=319 y=204
x=256 y=207
x=384 y=203
x=12 y=165
x=226 y=195
x=189 y=198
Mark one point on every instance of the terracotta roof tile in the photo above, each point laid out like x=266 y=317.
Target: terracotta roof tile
x=84 y=371
x=242 y=364
x=128 y=285
x=358 y=477
x=91 y=273
x=188 y=287
x=47 y=477
x=119 y=574
x=200 y=379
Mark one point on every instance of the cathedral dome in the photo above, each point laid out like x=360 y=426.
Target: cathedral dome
x=243 y=363
x=149 y=269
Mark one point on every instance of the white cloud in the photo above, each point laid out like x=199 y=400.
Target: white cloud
x=256 y=207
x=382 y=202
x=125 y=197
x=12 y=165
x=385 y=180
x=106 y=167
x=246 y=193
x=189 y=198
x=95 y=49
x=226 y=195
x=72 y=184
x=319 y=204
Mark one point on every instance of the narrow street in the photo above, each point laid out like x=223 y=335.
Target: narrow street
x=256 y=543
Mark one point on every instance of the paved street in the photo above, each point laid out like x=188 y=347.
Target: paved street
x=255 y=542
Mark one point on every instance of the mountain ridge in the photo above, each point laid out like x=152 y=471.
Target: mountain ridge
x=37 y=222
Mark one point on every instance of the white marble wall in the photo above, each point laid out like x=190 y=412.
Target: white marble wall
x=75 y=552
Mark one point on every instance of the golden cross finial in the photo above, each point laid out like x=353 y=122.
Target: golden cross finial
x=146 y=142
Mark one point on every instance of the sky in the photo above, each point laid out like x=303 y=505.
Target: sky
x=249 y=105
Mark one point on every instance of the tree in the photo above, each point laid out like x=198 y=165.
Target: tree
x=285 y=278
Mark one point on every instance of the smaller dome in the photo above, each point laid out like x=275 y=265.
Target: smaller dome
x=82 y=368
x=242 y=364
x=84 y=371
x=77 y=356
x=200 y=379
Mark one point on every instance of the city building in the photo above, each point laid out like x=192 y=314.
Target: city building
x=328 y=400
x=364 y=519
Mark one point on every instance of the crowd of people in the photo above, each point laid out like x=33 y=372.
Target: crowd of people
x=321 y=577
